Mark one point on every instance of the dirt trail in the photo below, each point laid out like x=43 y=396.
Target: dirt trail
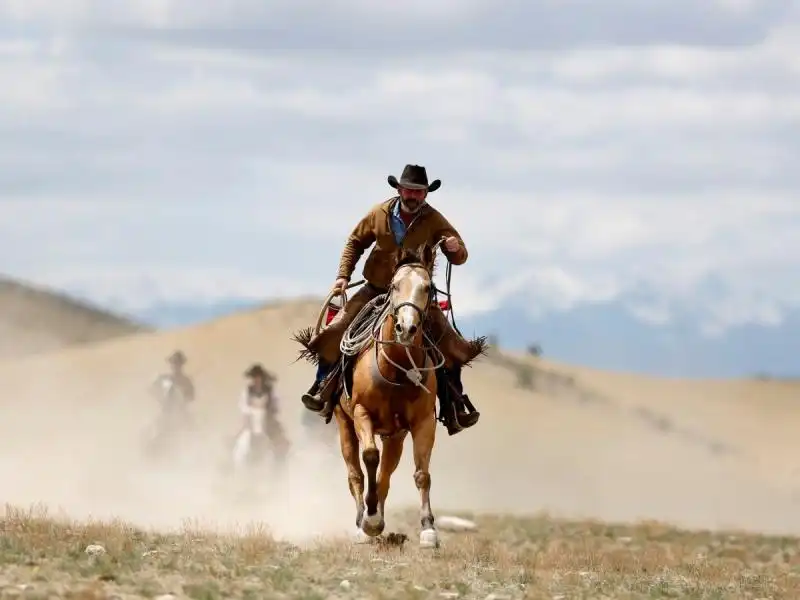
x=70 y=427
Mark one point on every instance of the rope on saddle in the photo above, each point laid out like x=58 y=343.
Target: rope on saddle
x=365 y=326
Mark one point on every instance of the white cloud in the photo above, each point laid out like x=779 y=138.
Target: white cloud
x=158 y=163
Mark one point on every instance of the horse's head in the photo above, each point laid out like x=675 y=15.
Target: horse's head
x=411 y=292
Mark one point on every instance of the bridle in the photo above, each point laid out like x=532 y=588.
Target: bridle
x=423 y=314
x=414 y=373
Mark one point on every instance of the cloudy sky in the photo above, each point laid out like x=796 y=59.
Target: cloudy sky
x=199 y=150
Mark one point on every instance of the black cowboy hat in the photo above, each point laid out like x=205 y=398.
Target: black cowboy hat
x=414 y=177
x=177 y=358
x=256 y=370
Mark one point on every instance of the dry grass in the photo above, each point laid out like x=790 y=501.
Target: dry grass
x=507 y=558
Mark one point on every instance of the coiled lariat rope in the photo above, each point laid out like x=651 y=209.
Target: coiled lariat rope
x=367 y=327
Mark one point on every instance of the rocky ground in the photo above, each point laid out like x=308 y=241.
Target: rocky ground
x=503 y=558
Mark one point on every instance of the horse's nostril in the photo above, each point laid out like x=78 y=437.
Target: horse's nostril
x=398 y=328
x=412 y=330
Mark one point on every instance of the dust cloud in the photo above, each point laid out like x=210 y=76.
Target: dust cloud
x=89 y=462
x=72 y=426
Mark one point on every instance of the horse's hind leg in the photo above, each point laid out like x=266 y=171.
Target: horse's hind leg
x=372 y=524
x=348 y=441
x=423 y=437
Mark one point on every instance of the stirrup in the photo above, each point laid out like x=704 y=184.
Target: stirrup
x=329 y=403
x=448 y=416
x=464 y=413
x=327 y=410
x=467 y=419
x=453 y=426
x=469 y=415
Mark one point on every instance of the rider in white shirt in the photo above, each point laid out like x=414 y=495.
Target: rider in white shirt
x=259 y=393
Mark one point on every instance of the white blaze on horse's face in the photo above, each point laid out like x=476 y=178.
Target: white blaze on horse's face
x=410 y=295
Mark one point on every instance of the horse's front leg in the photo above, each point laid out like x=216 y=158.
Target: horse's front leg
x=348 y=441
x=424 y=436
x=372 y=524
x=391 y=453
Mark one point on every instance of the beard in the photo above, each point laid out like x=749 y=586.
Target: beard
x=411 y=206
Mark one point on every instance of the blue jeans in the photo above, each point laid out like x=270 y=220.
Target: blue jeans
x=322 y=371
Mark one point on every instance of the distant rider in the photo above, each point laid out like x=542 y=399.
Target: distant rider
x=174 y=390
x=260 y=393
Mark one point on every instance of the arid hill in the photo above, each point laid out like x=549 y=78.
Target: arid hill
x=34 y=319
x=573 y=441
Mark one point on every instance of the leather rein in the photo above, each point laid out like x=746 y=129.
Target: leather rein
x=414 y=374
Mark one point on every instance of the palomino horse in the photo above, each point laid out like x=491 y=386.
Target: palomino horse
x=393 y=393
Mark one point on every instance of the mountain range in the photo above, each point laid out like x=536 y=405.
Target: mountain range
x=603 y=336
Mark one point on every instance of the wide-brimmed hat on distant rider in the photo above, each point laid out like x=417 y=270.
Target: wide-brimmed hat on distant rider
x=177 y=358
x=414 y=177
x=257 y=370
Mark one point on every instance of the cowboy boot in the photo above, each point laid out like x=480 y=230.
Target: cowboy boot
x=312 y=399
x=465 y=418
x=447 y=415
x=328 y=395
x=321 y=398
x=447 y=411
x=461 y=401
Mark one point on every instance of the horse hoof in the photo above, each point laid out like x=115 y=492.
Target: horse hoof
x=373 y=525
x=429 y=538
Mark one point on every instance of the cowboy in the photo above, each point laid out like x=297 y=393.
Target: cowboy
x=260 y=390
x=260 y=393
x=174 y=390
x=403 y=221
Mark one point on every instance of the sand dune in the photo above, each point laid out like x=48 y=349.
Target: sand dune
x=70 y=424
x=34 y=320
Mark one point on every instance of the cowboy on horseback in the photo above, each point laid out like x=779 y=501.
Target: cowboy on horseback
x=174 y=390
x=259 y=391
x=259 y=394
x=403 y=221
